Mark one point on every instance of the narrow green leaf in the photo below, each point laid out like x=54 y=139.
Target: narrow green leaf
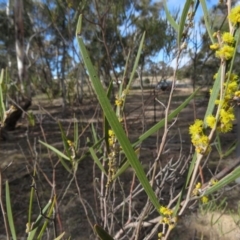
x=223 y=182
x=118 y=109
x=9 y=212
x=136 y=62
x=1 y=77
x=94 y=133
x=170 y=18
x=218 y=144
x=124 y=73
x=60 y=154
x=96 y=160
x=133 y=71
x=96 y=145
x=191 y=168
x=115 y=125
x=79 y=26
x=31 y=235
x=186 y=7
x=102 y=233
x=121 y=170
x=60 y=236
x=76 y=133
x=31 y=200
x=46 y=219
x=206 y=20
x=2 y=106
x=178 y=204
x=65 y=165
x=230 y=149
x=124 y=166
x=237 y=40
x=65 y=141
x=214 y=95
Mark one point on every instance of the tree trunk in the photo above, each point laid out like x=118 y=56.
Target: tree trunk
x=63 y=76
x=20 y=53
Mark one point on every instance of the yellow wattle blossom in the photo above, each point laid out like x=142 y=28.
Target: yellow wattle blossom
x=201 y=143
x=120 y=119
x=199 y=139
x=198 y=185
x=233 y=77
x=225 y=52
x=227 y=116
x=110 y=141
x=215 y=34
x=112 y=156
x=118 y=102
x=165 y=211
x=111 y=133
x=214 y=46
x=224 y=128
x=29 y=227
x=213 y=182
x=173 y=223
x=234 y=15
x=223 y=103
x=70 y=143
x=160 y=235
x=196 y=127
x=167 y=218
x=203 y=149
x=226 y=119
x=211 y=121
x=228 y=38
x=111 y=137
x=237 y=94
x=72 y=149
x=197 y=190
x=204 y=199
x=231 y=87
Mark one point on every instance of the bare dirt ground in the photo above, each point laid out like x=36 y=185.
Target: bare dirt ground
x=24 y=151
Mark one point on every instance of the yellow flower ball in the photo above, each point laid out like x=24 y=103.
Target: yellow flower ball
x=225 y=53
x=204 y=199
x=228 y=38
x=196 y=127
x=211 y=121
x=237 y=94
x=214 y=46
x=234 y=15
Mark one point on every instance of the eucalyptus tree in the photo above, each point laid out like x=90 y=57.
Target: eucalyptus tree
x=20 y=35
x=112 y=30
x=13 y=38
x=159 y=35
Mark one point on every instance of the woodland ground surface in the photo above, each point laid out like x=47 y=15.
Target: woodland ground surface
x=24 y=151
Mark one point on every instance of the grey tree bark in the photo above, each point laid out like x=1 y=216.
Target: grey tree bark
x=20 y=49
